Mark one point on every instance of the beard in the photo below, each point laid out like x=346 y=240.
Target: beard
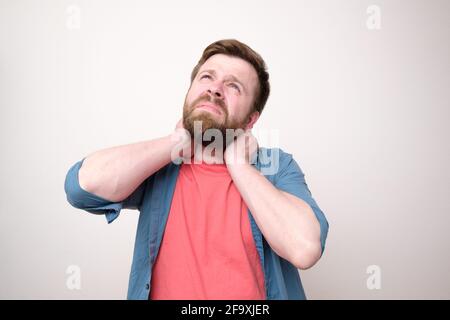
x=209 y=120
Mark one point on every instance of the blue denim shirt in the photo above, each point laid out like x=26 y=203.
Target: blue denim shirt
x=153 y=199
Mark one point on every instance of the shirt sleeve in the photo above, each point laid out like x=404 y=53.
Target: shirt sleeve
x=292 y=180
x=82 y=199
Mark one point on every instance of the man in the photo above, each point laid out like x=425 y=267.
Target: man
x=213 y=224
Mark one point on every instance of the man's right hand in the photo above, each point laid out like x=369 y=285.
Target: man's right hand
x=184 y=139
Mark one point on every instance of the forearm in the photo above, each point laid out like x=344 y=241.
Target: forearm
x=287 y=222
x=114 y=173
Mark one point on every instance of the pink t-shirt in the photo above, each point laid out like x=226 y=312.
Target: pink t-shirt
x=207 y=251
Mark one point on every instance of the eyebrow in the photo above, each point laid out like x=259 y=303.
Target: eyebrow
x=231 y=77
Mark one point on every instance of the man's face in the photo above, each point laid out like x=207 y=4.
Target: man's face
x=222 y=95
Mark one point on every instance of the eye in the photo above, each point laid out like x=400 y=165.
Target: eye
x=205 y=75
x=233 y=85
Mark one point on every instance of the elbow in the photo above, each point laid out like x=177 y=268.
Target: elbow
x=85 y=180
x=75 y=195
x=307 y=256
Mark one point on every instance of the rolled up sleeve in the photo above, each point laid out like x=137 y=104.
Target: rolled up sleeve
x=82 y=199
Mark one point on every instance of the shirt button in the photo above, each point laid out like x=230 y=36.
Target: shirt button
x=147 y=286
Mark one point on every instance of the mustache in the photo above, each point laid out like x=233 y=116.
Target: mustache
x=207 y=98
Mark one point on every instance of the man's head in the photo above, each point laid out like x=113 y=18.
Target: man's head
x=229 y=88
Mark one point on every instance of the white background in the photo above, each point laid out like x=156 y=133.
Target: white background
x=364 y=112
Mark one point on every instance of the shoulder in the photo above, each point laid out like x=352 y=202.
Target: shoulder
x=275 y=161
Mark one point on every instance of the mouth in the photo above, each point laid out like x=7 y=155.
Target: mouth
x=210 y=107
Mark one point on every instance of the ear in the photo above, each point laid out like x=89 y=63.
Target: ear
x=251 y=120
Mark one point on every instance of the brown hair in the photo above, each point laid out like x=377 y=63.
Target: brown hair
x=235 y=48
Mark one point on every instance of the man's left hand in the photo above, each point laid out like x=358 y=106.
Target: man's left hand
x=242 y=150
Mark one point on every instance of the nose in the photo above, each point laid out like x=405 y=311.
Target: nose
x=216 y=91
